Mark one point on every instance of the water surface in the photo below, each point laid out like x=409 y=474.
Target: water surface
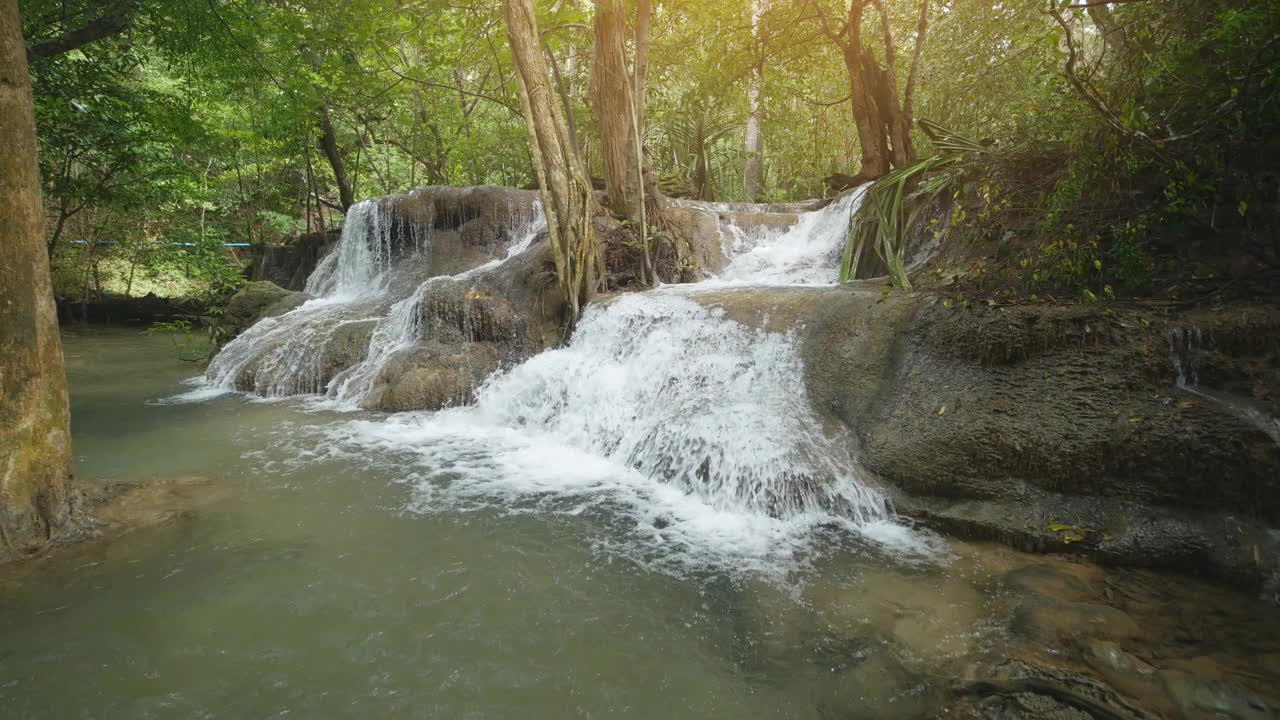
x=309 y=577
x=308 y=588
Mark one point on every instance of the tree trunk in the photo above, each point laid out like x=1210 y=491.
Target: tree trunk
x=614 y=111
x=35 y=434
x=866 y=118
x=567 y=101
x=901 y=151
x=884 y=121
x=329 y=145
x=753 y=171
x=866 y=112
x=566 y=193
x=644 y=12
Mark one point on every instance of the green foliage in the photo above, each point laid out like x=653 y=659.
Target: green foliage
x=200 y=124
x=190 y=346
x=893 y=204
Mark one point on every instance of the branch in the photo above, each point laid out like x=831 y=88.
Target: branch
x=836 y=36
x=1096 y=3
x=566 y=26
x=820 y=103
x=452 y=88
x=922 y=29
x=890 y=56
x=113 y=21
x=1092 y=98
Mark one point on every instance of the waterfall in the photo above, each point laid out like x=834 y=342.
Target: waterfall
x=1185 y=351
x=371 y=276
x=660 y=384
x=698 y=427
x=807 y=253
x=401 y=329
x=1184 y=354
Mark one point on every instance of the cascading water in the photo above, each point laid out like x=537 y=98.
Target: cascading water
x=401 y=329
x=698 y=426
x=1186 y=345
x=362 y=280
x=807 y=253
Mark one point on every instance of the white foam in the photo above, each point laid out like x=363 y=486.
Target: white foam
x=807 y=253
x=692 y=432
x=201 y=391
x=364 y=278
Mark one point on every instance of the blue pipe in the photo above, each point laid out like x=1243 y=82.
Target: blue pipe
x=179 y=244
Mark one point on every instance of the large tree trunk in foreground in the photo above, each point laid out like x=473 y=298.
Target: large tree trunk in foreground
x=35 y=437
x=329 y=145
x=567 y=199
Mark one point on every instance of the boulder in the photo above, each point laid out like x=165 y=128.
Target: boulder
x=255 y=301
x=1049 y=428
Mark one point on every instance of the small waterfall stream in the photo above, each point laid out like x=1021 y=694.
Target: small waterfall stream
x=698 y=425
x=1186 y=345
x=371 y=275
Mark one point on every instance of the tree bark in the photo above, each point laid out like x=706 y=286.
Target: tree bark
x=567 y=101
x=901 y=152
x=567 y=199
x=884 y=122
x=644 y=13
x=753 y=170
x=866 y=113
x=329 y=146
x=35 y=434
x=614 y=111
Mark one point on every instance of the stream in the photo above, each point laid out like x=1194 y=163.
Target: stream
x=257 y=582
x=649 y=522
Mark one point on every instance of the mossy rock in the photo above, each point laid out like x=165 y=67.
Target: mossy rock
x=254 y=301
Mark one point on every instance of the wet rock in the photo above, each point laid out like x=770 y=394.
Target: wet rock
x=1000 y=423
x=701 y=230
x=1074 y=582
x=464 y=226
x=877 y=687
x=1214 y=698
x=255 y=301
x=346 y=347
x=434 y=376
x=480 y=232
x=1017 y=690
x=1129 y=674
x=929 y=620
x=1049 y=620
x=1020 y=706
x=1113 y=658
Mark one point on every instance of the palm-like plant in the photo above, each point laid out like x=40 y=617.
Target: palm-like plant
x=895 y=201
x=694 y=135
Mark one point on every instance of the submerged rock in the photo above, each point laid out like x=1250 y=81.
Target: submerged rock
x=1050 y=620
